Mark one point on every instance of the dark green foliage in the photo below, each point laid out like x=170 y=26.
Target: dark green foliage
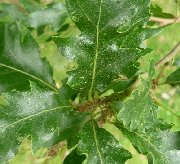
x=101 y=85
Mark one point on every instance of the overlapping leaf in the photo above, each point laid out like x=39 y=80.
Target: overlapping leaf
x=20 y=60
x=159 y=144
x=100 y=147
x=40 y=114
x=109 y=44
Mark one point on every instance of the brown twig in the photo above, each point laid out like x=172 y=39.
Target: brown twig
x=164 y=21
x=169 y=56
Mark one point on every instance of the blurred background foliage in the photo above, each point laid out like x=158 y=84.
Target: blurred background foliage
x=167 y=96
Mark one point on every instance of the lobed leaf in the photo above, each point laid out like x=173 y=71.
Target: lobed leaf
x=20 y=60
x=139 y=111
x=40 y=114
x=100 y=147
x=159 y=144
x=109 y=43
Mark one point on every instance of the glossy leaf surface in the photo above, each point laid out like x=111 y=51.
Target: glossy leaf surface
x=20 y=57
x=40 y=114
x=160 y=145
x=109 y=43
x=100 y=147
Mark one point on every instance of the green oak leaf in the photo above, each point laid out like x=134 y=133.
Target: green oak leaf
x=20 y=60
x=159 y=144
x=9 y=80
x=139 y=111
x=100 y=147
x=40 y=114
x=109 y=43
x=174 y=78
x=54 y=14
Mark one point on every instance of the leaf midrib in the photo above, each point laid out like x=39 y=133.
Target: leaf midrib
x=97 y=50
x=32 y=76
x=96 y=141
x=33 y=115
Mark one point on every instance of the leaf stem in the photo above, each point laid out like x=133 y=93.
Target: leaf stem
x=169 y=56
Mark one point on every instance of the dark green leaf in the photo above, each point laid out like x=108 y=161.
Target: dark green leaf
x=40 y=114
x=174 y=78
x=109 y=43
x=20 y=58
x=9 y=80
x=100 y=147
x=160 y=144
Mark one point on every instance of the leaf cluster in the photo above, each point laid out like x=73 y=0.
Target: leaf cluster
x=105 y=50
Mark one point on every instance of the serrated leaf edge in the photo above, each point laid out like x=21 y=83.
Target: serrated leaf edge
x=154 y=147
